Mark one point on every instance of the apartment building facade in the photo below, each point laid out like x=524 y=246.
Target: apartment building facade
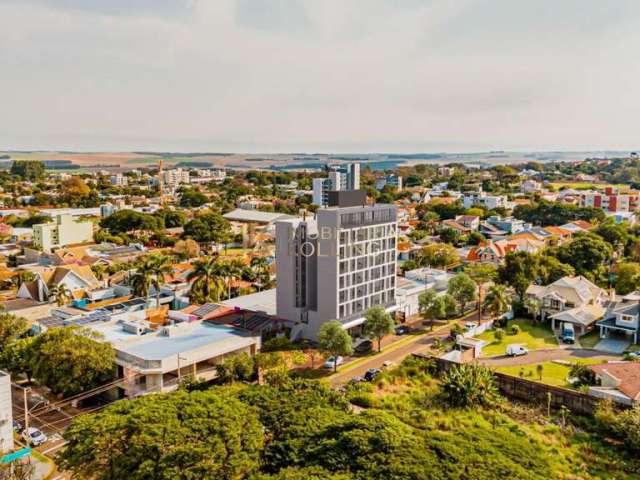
x=63 y=231
x=336 y=266
x=611 y=200
x=341 y=177
x=176 y=177
x=393 y=180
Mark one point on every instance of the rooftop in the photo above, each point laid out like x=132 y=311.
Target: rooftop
x=264 y=302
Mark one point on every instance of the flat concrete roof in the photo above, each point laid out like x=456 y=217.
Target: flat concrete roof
x=263 y=302
x=244 y=215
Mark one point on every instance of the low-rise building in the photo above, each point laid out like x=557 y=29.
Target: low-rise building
x=617 y=381
x=62 y=232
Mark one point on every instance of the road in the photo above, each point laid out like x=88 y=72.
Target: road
x=546 y=355
x=419 y=344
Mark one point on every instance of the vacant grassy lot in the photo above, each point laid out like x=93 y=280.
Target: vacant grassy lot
x=534 y=337
x=552 y=373
x=585 y=185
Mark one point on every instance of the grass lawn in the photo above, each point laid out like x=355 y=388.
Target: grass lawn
x=534 y=337
x=585 y=185
x=590 y=339
x=552 y=373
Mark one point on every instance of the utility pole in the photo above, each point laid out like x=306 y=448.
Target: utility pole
x=25 y=391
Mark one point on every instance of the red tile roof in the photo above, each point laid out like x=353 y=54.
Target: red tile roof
x=628 y=373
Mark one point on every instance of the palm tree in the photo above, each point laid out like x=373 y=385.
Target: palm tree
x=161 y=265
x=497 y=300
x=233 y=270
x=141 y=280
x=261 y=267
x=99 y=269
x=208 y=284
x=60 y=293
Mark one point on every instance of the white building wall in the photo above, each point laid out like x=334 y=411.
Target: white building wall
x=6 y=413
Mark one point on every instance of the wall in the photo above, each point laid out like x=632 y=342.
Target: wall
x=533 y=392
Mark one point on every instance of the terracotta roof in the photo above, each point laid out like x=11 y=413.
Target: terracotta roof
x=584 y=225
x=455 y=225
x=628 y=373
x=557 y=231
x=404 y=246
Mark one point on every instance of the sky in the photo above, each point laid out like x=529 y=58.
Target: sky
x=319 y=75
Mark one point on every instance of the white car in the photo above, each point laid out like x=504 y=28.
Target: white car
x=329 y=363
x=515 y=350
x=34 y=437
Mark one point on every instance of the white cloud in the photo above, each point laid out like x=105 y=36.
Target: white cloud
x=333 y=75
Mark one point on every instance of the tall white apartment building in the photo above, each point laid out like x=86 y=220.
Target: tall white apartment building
x=175 y=177
x=6 y=413
x=336 y=266
x=341 y=177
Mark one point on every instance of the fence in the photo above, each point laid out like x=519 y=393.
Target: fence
x=534 y=392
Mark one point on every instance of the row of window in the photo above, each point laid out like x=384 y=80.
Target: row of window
x=375 y=273
x=365 y=289
x=360 y=306
x=367 y=233
x=375 y=246
x=360 y=263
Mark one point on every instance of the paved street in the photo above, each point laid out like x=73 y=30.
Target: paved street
x=546 y=355
x=417 y=345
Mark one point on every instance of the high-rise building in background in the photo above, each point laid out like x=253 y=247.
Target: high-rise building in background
x=341 y=177
x=337 y=265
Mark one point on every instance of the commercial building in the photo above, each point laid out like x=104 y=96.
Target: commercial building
x=393 y=180
x=341 y=177
x=336 y=266
x=6 y=413
x=63 y=231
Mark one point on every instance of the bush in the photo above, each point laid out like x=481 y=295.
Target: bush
x=499 y=334
x=583 y=375
x=456 y=330
x=625 y=425
x=469 y=385
x=515 y=329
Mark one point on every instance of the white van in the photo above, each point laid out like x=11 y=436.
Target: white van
x=515 y=350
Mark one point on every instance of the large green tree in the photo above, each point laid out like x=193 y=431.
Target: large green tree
x=378 y=323
x=588 y=254
x=334 y=341
x=70 y=360
x=208 y=227
x=182 y=436
x=462 y=289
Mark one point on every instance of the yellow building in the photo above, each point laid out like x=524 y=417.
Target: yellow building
x=63 y=231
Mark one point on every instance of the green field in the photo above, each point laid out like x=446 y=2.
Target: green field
x=534 y=337
x=586 y=185
x=552 y=373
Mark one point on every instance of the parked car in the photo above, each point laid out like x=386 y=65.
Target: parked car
x=402 y=330
x=388 y=364
x=371 y=374
x=34 y=437
x=364 y=347
x=329 y=362
x=633 y=355
x=515 y=350
x=470 y=325
x=568 y=334
x=356 y=379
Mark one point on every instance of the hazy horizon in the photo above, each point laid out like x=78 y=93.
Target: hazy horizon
x=350 y=76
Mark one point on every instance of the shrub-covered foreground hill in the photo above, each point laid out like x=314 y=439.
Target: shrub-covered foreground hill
x=403 y=427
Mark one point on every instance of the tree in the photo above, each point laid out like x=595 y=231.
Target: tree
x=22 y=276
x=449 y=304
x=207 y=280
x=534 y=306
x=192 y=198
x=31 y=170
x=186 y=249
x=481 y=273
x=70 y=360
x=469 y=385
x=627 y=277
x=60 y=293
x=12 y=328
x=462 y=289
x=334 y=341
x=143 y=277
x=160 y=266
x=587 y=254
x=449 y=236
x=236 y=368
x=172 y=218
x=438 y=255
x=99 y=270
x=431 y=305
x=582 y=375
x=261 y=267
x=16 y=355
x=130 y=221
x=378 y=323
x=208 y=227
x=75 y=187
x=497 y=301
x=182 y=436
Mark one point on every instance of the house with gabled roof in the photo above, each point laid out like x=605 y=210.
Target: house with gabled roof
x=618 y=381
x=574 y=300
x=78 y=279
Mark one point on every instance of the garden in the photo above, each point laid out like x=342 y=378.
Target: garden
x=555 y=373
x=534 y=336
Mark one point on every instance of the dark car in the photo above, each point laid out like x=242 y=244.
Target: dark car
x=364 y=347
x=402 y=330
x=371 y=374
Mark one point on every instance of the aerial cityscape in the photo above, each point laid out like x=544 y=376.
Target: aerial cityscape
x=290 y=239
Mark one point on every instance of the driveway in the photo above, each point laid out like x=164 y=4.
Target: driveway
x=547 y=355
x=612 y=345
